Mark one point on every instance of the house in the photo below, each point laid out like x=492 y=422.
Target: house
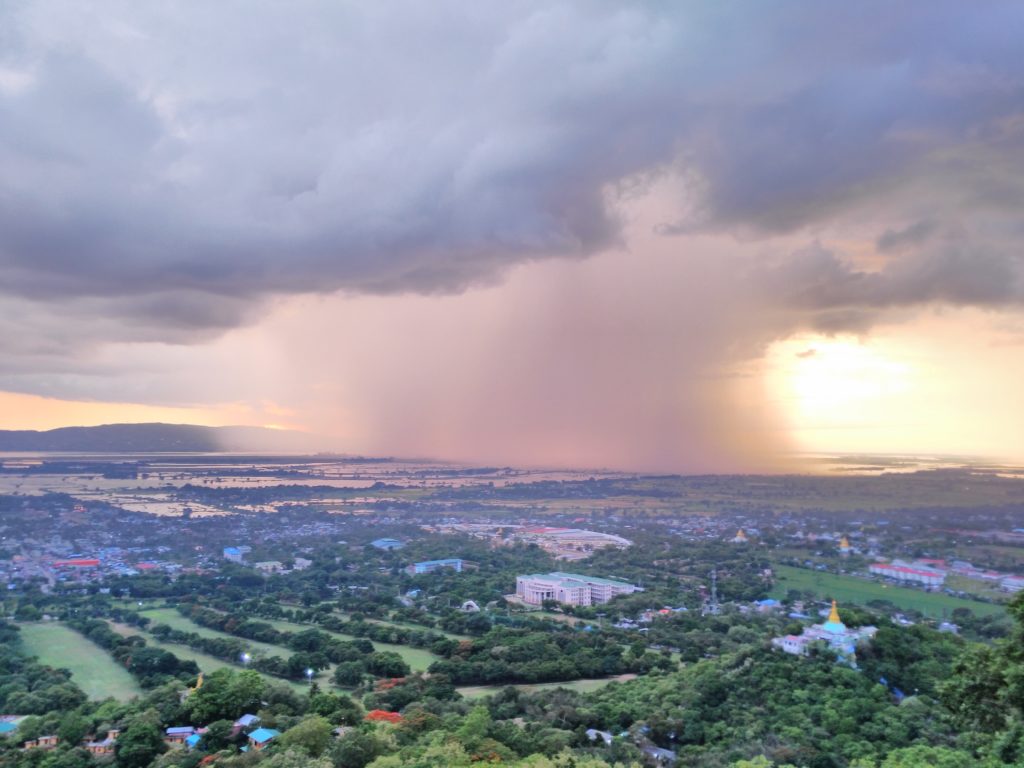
x=470 y=606
x=244 y=722
x=261 y=737
x=660 y=756
x=387 y=544
x=43 y=742
x=593 y=734
x=235 y=554
x=429 y=566
x=193 y=741
x=104 y=746
x=178 y=734
x=269 y=566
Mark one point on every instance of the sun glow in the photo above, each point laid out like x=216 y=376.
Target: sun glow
x=837 y=384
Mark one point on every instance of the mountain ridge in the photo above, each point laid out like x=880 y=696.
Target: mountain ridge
x=157 y=437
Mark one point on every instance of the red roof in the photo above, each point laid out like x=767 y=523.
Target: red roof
x=904 y=569
x=83 y=563
x=145 y=566
x=383 y=715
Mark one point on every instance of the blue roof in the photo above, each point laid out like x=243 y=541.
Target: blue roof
x=232 y=550
x=446 y=561
x=179 y=729
x=7 y=727
x=386 y=543
x=261 y=735
x=194 y=739
x=768 y=601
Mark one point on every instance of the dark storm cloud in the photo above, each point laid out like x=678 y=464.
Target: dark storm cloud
x=174 y=165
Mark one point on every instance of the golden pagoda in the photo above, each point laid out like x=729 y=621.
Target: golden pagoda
x=844 y=545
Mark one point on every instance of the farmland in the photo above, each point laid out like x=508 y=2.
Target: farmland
x=92 y=669
x=853 y=589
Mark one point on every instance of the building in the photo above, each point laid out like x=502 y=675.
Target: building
x=269 y=566
x=1012 y=583
x=833 y=634
x=236 y=554
x=740 y=537
x=387 y=544
x=429 y=566
x=7 y=728
x=178 y=734
x=470 y=606
x=844 y=546
x=104 y=746
x=261 y=737
x=920 y=575
x=43 y=742
x=570 y=588
x=245 y=721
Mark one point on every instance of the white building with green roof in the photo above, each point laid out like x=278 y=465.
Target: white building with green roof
x=570 y=588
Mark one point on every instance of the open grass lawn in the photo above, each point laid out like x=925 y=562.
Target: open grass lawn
x=852 y=589
x=583 y=686
x=205 y=661
x=418 y=659
x=175 y=620
x=92 y=668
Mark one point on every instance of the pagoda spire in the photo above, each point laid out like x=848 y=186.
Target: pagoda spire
x=833 y=617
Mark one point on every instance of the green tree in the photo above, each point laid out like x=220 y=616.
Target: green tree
x=139 y=743
x=311 y=735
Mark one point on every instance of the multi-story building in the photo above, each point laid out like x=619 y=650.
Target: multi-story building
x=927 y=576
x=429 y=566
x=570 y=588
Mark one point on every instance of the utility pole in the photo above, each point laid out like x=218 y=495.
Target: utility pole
x=711 y=607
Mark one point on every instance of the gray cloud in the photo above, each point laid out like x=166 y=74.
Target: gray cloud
x=164 y=169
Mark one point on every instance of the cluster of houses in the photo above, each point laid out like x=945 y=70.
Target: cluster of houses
x=182 y=736
x=257 y=739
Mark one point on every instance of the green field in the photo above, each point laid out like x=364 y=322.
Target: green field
x=175 y=620
x=852 y=589
x=92 y=668
x=583 y=686
x=204 y=661
x=418 y=659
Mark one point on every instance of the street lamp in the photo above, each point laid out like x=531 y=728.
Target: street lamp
x=309 y=675
x=246 y=658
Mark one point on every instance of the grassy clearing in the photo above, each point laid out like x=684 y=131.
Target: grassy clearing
x=92 y=668
x=853 y=589
x=583 y=686
x=417 y=658
x=204 y=661
x=175 y=620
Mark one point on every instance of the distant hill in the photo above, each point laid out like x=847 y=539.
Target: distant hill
x=158 y=438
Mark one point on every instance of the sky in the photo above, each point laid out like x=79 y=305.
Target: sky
x=696 y=237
